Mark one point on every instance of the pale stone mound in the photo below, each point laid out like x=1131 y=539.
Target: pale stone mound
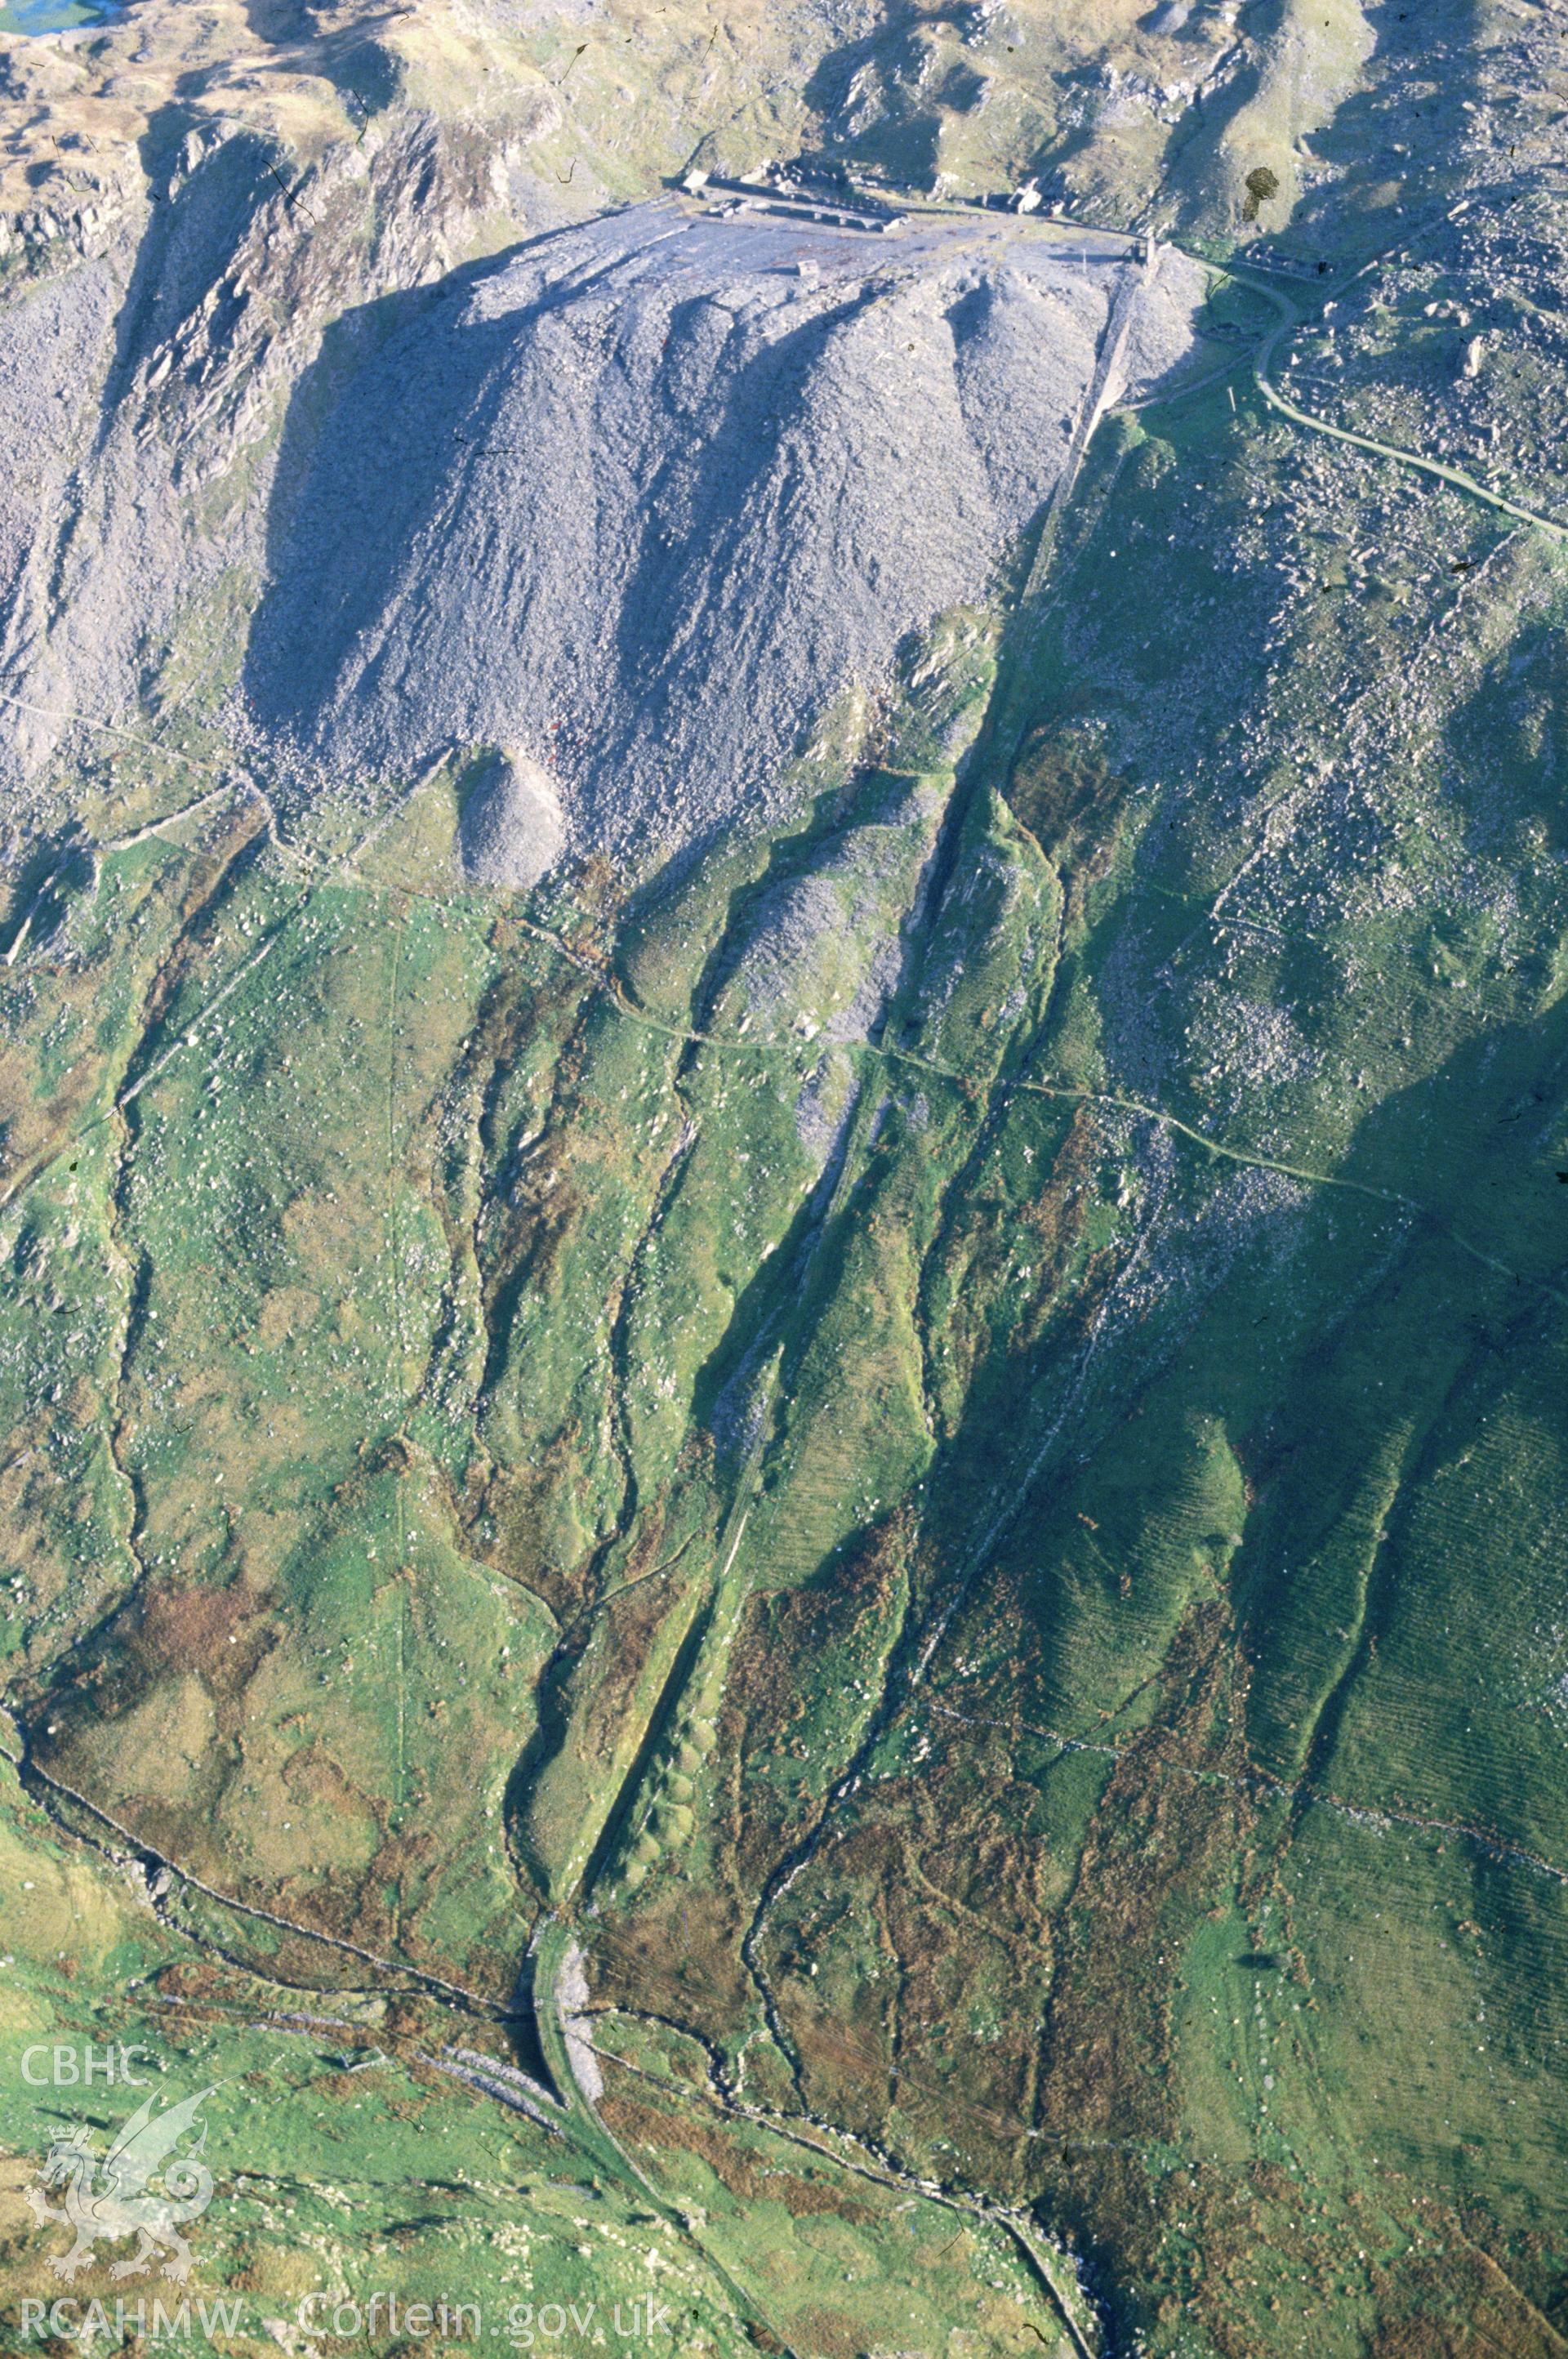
x=511 y=827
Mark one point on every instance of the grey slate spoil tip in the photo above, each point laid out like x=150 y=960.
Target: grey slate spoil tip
x=511 y=828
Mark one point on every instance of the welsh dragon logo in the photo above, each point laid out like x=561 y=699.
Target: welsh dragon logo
x=141 y=2187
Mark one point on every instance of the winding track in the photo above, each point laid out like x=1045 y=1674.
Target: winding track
x=1454 y=477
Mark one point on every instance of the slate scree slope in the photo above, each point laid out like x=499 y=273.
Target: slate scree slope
x=636 y=501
